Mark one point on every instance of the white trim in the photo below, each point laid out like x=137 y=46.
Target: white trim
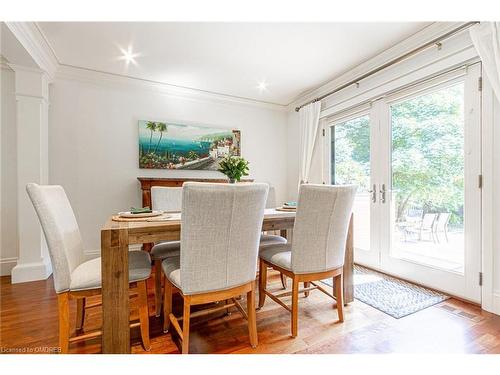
x=67 y=72
x=25 y=272
x=490 y=299
x=496 y=303
x=4 y=64
x=423 y=36
x=427 y=86
x=36 y=45
x=6 y=265
x=91 y=254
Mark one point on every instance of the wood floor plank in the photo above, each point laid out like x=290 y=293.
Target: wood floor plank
x=28 y=319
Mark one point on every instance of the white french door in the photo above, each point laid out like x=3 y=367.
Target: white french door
x=416 y=157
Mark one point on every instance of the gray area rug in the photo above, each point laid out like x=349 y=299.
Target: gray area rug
x=392 y=296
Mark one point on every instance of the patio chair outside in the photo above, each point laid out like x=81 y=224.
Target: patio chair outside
x=442 y=225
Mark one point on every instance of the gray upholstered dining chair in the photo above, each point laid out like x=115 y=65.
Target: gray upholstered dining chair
x=220 y=231
x=270 y=238
x=318 y=247
x=167 y=199
x=75 y=278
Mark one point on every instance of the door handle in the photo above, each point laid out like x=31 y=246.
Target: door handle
x=374 y=193
x=382 y=194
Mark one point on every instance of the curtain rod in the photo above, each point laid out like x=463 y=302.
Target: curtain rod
x=436 y=41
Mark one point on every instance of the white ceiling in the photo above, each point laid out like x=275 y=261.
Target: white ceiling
x=226 y=58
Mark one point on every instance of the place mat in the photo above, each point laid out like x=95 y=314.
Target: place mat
x=286 y=209
x=163 y=217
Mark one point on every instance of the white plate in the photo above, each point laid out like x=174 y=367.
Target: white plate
x=130 y=215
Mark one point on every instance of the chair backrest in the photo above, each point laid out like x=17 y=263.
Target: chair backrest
x=428 y=221
x=321 y=225
x=442 y=221
x=61 y=231
x=271 y=198
x=220 y=234
x=166 y=198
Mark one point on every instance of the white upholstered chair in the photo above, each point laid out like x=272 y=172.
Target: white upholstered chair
x=75 y=278
x=270 y=238
x=167 y=199
x=318 y=247
x=220 y=232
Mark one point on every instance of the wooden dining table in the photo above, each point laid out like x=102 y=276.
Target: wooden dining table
x=116 y=236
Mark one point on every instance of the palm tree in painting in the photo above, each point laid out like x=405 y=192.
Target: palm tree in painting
x=152 y=127
x=161 y=127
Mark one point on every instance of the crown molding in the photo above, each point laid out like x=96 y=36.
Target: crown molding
x=423 y=36
x=36 y=45
x=4 y=64
x=73 y=73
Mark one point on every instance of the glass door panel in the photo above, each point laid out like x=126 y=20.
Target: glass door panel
x=350 y=164
x=430 y=230
x=427 y=205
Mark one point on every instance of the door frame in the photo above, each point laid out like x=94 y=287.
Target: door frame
x=379 y=116
x=465 y=286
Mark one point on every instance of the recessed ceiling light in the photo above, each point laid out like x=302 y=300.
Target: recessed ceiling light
x=262 y=86
x=128 y=56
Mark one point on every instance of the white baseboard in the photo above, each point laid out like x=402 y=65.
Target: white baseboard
x=496 y=302
x=25 y=272
x=91 y=254
x=6 y=266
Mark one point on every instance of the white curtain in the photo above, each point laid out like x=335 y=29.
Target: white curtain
x=486 y=39
x=308 y=130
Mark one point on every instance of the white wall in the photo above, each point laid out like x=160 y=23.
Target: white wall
x=8 y=198
x=93 y=142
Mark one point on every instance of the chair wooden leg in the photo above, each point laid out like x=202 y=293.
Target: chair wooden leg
x=252 y=320
x=262 y=283
x=80 y=313
x=185 y=325
x=295 y=305
x=339 y=294
x=283 y=281
x=306 y=285
x=158 y=277
x=143 y=314
x=167 y=305
x=63 y=304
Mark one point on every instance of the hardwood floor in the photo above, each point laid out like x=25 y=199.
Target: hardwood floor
x=28 y=319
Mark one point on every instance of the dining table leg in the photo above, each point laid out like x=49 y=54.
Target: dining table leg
x=115 y=291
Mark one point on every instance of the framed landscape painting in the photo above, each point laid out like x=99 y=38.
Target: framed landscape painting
x=165 y=145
